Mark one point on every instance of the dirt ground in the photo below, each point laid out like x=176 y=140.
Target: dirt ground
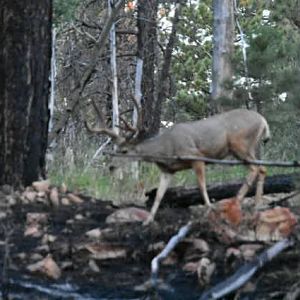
x=59 y=245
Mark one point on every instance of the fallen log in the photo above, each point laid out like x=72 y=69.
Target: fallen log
x=186 y=196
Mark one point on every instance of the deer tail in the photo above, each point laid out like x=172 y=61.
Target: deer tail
x=266 y=133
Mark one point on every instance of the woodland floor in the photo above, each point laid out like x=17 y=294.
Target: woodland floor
x=115 y=263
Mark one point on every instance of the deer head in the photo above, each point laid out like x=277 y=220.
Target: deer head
x=236 y=132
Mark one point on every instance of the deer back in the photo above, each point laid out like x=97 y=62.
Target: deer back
x=214 y=137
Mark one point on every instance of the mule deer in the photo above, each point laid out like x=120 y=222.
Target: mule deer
x=236 y=132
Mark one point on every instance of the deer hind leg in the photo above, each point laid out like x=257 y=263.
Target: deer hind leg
x=260 y=184
x=248 y=183
x=165 y=179
x=243 y=152
x=199 y=168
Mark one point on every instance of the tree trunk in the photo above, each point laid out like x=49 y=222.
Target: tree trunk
x=25 y=52
x=223 y=36
x=162 y=84
x=147 y=49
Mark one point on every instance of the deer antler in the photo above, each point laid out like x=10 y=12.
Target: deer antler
x=104 y=130
x=133 y=129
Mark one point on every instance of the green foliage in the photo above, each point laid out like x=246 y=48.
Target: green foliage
x=64 y=11
x=192 y=58
x=273 y=52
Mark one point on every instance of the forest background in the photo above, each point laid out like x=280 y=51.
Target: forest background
x=178 y=41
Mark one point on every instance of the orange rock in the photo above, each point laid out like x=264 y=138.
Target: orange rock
x=275 y=224
x=129 y=214
x=230 y=210
x=47 y=266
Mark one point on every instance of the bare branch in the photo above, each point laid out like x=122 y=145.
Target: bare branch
x=153 y=158
x=84 y=33
x=128 y=126
x=97 y=52
x=243 y=274
x=99 y=113
x=173 y=242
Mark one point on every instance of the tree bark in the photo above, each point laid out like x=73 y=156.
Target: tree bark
x=165 y=70
x=223 y=35
x=147 y=51
x=25 y=53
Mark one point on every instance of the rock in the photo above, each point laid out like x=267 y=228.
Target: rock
x=6 y=189
x=249 y=251
x=201 y=245
x=106 y=251
x=93 y=266
x=148 y=286
x=3 y=215
x=54 y=197
x=94 y=233
x=48 y=238
x=41 y=186
x=34 y=218
x=46 y=266
x=233 y=252
x=274 y=224
x=233 y=258
x=79 y=217
x=29 y=194
x=11 y=200
x=205 y=270
x=74 y=199
x=43 y=248
x=66 y=265
x=99 y=233
x=35 y=223
x=190 y=267
x=170 y=260
x=33 y=230
x=156 y=247
x=230 y=210
x=65 y=201
x=41 y=194
x=36 y=257
x=128 y=215
x=22 y=255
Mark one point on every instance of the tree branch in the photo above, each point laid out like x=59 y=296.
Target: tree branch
x=97 y=53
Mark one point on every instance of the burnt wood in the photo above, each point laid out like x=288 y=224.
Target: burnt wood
x=25 y=52
x=186 y=196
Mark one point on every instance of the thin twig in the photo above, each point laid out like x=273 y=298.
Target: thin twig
x=99 y=150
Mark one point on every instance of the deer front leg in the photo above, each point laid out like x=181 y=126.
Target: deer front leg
x=260 y=184
x=165 y=179
x=249 y=181
x=199 y=168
